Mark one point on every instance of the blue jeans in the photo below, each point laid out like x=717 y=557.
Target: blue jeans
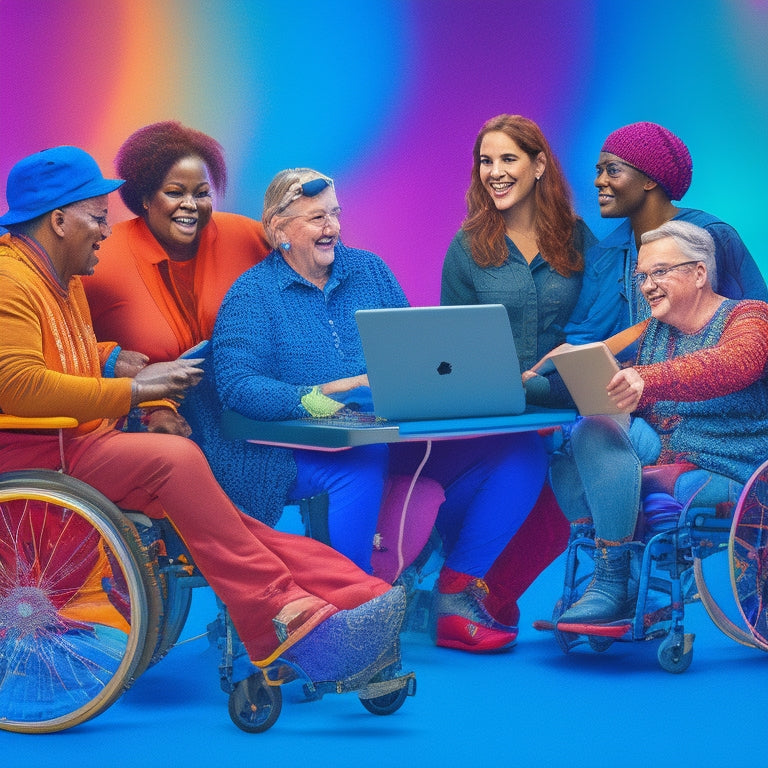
x=597 y=473
x=354 y=481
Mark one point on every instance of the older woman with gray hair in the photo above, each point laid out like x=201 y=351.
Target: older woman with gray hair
x=698 y=393
x=286 y=345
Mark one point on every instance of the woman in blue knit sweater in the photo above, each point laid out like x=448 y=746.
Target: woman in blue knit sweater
x=286 y=345
x=698 y=393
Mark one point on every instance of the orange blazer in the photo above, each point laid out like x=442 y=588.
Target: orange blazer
x=129 y=294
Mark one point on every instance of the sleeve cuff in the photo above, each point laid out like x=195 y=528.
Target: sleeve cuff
x=109 y=366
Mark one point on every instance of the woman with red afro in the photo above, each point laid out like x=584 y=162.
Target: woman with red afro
x=163 y=274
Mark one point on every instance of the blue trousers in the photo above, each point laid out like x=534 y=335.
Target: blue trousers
x=491 y=484
x=598 y=472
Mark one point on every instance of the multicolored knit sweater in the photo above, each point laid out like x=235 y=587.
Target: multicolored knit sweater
x=706 y=393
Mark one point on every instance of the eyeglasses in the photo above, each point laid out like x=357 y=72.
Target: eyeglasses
x=659 y=274
x=320 y=220
x=614 y=169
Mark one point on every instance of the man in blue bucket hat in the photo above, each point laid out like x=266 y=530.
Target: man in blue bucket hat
x=51 y=179
x=287 y=596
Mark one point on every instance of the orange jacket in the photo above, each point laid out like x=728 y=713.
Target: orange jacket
x=131 y=296
x=50 y=363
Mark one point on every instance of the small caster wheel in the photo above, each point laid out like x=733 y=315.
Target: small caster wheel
x=598 y=643
x=390 y=702
x=255 y=706
x=386 y=704
x=675 y=653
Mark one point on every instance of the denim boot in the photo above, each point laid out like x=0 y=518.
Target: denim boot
x=351 y=646
x=606 y=598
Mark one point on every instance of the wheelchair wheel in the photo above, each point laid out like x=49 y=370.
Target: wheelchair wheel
x=599 y=644
x=255 y=706
x=675 y=653
x=386 y=704
x=389 y=702
x=76 y=602
x=748 y=555
x=173 y=577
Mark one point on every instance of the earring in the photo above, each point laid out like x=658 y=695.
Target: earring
x=285 y=246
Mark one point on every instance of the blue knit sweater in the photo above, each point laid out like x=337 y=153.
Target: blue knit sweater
x=277 y=334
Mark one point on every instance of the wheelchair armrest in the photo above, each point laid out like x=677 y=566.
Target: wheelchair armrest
x=661 y=478
x=8 y=421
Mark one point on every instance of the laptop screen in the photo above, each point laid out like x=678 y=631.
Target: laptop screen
x=441 y=362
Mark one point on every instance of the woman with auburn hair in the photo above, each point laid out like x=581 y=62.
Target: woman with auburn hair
x=521 y=245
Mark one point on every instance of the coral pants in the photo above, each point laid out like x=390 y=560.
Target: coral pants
x=254 y=569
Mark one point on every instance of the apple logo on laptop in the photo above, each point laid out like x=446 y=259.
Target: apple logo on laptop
x=444 y=368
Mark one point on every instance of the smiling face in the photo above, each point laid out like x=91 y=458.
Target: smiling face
x=621 y=189
x=180 y=209
x=671 y=296
x=311 y=226
x=507 y=172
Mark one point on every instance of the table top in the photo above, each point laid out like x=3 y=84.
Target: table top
x=336 y=434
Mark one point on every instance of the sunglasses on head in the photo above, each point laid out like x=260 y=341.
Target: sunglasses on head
x=308 y=189
x=315 y=187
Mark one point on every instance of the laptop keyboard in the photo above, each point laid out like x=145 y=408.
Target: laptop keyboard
x=349 y=418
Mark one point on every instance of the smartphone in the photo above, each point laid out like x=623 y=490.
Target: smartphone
x=198 y=351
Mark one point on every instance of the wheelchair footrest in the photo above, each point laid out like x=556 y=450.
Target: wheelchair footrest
x=615 y=630
x=384 y=687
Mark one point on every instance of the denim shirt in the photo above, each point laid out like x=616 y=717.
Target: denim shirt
x=538 y=299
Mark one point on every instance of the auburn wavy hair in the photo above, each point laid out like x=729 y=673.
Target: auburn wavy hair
x=148 y=154
x=555 y=217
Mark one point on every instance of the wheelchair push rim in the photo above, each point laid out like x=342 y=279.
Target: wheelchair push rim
x=748 y=555
x=74 y=619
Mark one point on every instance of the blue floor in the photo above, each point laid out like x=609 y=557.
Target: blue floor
x=531 y=706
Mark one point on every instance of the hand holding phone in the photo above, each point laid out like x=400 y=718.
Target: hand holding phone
x=199 y=351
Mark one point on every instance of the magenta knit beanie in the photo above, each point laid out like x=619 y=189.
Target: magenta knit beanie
x=657 y=153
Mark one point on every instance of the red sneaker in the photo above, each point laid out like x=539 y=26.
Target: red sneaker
x=466 y=635
x=463 y=622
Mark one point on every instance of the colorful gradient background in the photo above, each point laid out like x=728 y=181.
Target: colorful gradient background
x=387 y=96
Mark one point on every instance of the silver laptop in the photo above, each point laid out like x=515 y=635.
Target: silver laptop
x=441 y=362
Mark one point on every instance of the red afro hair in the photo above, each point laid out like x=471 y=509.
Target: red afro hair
x=148 y=154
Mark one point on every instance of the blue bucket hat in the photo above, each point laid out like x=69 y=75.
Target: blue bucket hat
x=51 y=179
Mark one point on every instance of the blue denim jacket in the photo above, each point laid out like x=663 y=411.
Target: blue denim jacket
x=609 y=301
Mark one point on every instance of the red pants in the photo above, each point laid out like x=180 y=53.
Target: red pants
x=255 y=570
x=539 y=540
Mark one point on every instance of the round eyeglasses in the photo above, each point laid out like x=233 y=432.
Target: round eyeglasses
x=659 y=274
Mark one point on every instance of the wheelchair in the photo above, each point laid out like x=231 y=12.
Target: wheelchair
x=91 y=596
x=672 y=541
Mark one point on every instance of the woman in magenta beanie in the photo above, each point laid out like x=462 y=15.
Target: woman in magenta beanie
x=643 y=167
